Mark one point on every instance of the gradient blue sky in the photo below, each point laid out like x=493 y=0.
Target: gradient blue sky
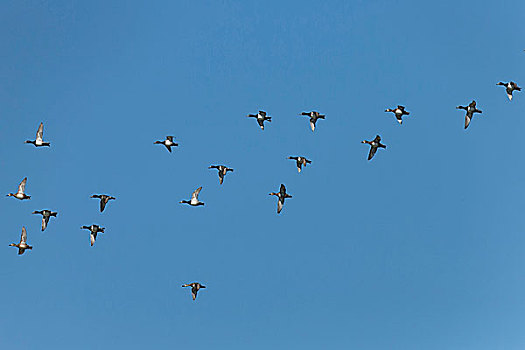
x=421 y=248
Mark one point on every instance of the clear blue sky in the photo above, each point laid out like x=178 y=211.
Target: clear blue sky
x=421 y=248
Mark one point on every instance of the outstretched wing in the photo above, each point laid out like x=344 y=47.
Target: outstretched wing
x=372 y=152
x=170 y=138
x=22 y=186
x=40 y=132
x=221 y=177
x=261 y=123
x=467 y=120
x=103 y=202
x=195 y=194
x=45 y=220
x=23 y=237
x=279 y=206
x=312 y=123
x=92 y=237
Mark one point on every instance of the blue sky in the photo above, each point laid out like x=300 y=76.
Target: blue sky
x=421 y=248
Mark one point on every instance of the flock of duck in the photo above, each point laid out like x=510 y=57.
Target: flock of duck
x=222 y=170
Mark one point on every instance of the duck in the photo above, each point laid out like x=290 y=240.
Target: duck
x=222 y=170
x=93 y=231
x=471 y=109
x=22 y=246
x=194 y=201
x=300 y=160
x=313 y=118
x=510 y=87
x=39 y=142
x=281 y=195
x=399 y=112
x=374 y=145
x=21 y=191
x=46 y=214
x=104 y=199
x=168 y=143
x=261 y=118
x=195 y=286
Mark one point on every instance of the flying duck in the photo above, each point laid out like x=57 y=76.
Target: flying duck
x=93 y=231
x=194 y=201
x=399 y=112
x=22 y=246
x=300 y=162
x=313 y=118
x=282 y=195
x=21 y=188
x=222 y=169
x=39 y=142
x=471 y=109
x=374 y=145
x=168 y=143
x=195 y=286
x=261 y=118
x=46 y=214
x=510 y=87
x=104 y=199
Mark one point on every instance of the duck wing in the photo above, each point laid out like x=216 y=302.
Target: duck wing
x=23 y=237
x=261 y=123
x=92 y=237
x=312 y=123
x=280 y=204
x=45 y=220
x=194 y=292
x=468 y=117
x=22 y=186
x=40 y=132
x=169 y=138
x=168 y=147
x=373 y=151
x=103 y=202
x=221 y=177
x=195 y=194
